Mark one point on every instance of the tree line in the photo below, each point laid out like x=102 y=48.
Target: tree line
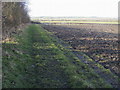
x=13 y=15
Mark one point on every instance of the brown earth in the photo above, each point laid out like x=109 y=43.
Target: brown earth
x=98 y=41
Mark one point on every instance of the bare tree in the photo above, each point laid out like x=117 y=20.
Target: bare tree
x=13 y=15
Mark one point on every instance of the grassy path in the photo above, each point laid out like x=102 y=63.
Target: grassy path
x=37 y=60
x=46 y=65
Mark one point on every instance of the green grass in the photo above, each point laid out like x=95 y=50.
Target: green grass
x=37 y=60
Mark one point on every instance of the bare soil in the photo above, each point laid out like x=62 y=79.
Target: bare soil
x=98 y=41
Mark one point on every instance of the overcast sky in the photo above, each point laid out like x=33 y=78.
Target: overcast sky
x=86 y=8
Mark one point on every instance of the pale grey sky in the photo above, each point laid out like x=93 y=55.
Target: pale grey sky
x=86 y=8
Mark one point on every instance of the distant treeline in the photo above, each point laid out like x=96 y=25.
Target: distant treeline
x=13 y=15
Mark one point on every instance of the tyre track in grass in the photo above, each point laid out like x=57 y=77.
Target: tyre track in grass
x=47 y=71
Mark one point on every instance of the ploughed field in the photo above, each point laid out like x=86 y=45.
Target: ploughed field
x=98 y=41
